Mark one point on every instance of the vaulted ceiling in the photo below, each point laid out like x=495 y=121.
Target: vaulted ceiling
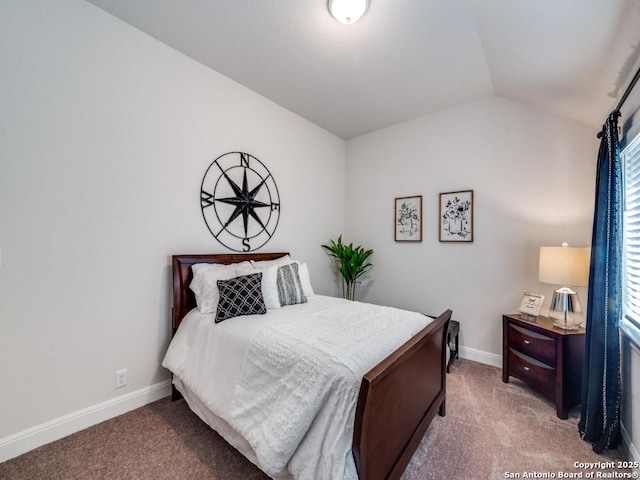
x=405 y=58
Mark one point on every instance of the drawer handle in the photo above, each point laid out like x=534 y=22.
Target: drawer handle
x=527 y=342
x=527 y=369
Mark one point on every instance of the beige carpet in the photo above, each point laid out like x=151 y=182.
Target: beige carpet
x=491 y=429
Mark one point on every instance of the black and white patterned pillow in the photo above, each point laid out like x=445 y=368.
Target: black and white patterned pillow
x=240 y=296
x=289 y=286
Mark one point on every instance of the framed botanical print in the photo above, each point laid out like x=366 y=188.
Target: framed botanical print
x=408 y=219
x=456 y=216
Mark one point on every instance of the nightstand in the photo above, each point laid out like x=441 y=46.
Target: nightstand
x=547 y=358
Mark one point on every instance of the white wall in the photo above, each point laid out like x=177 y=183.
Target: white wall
x=105 y=135
x=533 y=176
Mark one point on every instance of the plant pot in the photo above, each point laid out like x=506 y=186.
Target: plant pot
x=349 y=291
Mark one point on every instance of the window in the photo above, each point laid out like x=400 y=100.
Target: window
x=630 y=157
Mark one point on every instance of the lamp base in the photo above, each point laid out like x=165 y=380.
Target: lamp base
x=561 y=324
x=565 y=309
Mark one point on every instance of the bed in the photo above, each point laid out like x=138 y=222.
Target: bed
x=395 y=400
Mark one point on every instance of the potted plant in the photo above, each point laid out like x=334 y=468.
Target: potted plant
x=351 y=263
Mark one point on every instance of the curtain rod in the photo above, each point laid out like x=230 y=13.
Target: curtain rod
x=626 y=93
x=628 y=90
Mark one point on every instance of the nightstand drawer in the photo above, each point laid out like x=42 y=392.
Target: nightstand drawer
x=537 y=374
x=533 y=344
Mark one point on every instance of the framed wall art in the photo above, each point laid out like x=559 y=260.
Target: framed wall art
x=456 y=216
x=408 y=219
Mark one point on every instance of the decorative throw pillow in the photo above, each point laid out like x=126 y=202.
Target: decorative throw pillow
x=240 y=296
x=289 y=286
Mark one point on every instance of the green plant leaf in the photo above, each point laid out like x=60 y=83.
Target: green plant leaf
x=350 y=260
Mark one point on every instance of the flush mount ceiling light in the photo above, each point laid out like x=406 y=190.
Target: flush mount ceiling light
x=348 y=11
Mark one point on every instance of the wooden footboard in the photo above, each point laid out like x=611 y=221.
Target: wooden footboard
x=398 y=399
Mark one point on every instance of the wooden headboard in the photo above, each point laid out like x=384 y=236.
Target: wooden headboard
x=183 y=298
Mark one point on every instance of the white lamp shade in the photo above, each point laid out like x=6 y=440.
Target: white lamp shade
x=567 y=266
x=348 y=11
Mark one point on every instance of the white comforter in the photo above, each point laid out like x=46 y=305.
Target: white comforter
x=288 y=381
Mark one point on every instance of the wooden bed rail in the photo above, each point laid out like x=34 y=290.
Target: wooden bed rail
x=398 y=399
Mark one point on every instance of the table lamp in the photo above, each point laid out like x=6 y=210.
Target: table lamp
x=569 y=267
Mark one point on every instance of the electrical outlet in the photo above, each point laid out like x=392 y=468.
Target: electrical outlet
x=121 y=378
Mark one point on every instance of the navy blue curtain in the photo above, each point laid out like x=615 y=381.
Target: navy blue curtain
x=601 y=384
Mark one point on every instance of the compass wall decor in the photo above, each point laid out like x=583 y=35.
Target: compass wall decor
x=239 y=201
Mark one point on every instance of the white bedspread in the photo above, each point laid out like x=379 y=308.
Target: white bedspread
x=288 y=381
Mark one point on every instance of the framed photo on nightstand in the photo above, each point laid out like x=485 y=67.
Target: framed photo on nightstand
x=530 y=304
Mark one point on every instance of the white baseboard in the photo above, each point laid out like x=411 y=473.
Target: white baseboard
x=480 y=356
x=34 y=437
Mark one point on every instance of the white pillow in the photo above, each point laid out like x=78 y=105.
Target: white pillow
x=198 y=267
x=205 y=284
x=305 y=279
x=284 y=260
x=269 y=283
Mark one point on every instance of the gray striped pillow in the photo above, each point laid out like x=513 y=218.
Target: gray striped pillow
x=289 y=287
